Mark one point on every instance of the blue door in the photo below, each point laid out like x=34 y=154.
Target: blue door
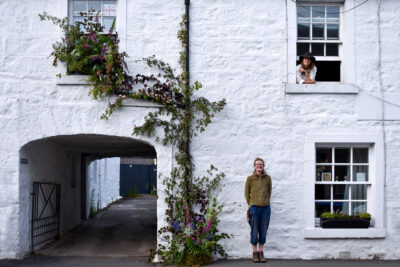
x=137 y=178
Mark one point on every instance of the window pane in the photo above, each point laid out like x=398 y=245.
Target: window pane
x=303 y=12
x=360 y=173
x=341 y=191
x=324 y=173
x=318 y=13
x=342 y=155
x=333 y=31
x=358 y=207
x=303 y=31
x=81 y=19
x=302 y=48
x=95 y=5
x=342 y=173
x=324 y=155
x=332 y=13
x=321 y=207
x=109 y=8
x=360 y=155
x=332 y=49
x=317 y=49
x=318 y=31
x=359 y=191
x=107 y=22
x=79 y=6
x=341 y=207
x=328 y=71
x=322 y=191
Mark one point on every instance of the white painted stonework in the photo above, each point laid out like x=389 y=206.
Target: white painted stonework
x=241 y=50
x=103 y=182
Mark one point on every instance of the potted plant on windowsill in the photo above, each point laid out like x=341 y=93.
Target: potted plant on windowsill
x=342 y=220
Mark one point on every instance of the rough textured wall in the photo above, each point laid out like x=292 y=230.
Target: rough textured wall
x=47 y=163
x=103 y=182
x=33 y=106
x=238 y=51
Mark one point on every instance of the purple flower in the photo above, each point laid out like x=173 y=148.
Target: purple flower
x=176 y=226
x=93 y=58
x=209 y=237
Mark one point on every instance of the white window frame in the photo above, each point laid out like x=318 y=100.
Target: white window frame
x=375 y=192
x=351 y=164
x=120 y=26
x=325 y=40
x=101 y=16
x=346 y=52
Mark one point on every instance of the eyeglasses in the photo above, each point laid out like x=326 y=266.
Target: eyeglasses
x=258 y=164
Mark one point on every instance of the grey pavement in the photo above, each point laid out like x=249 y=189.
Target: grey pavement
x=50 y=261
x=127 y=228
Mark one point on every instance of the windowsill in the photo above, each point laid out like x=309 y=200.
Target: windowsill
x=76 y=79
x=321 y=88
x=320 y=233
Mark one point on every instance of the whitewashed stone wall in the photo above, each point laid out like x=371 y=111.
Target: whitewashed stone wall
x=103 y=182
x=239 y=50
x=47 y=163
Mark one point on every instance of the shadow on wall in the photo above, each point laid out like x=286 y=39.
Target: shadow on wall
x=71 y=161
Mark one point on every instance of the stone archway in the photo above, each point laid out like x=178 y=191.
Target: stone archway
x=63 y=160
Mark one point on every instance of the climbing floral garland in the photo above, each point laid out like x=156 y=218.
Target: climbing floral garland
x=191 y=232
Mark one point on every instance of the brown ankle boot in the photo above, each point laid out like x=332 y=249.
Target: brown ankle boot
x=261 y=256
x=255 y=257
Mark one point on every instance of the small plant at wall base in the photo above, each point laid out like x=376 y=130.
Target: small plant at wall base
x=92 y=209
x=191 y=232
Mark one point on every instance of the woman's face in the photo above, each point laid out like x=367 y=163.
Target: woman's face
x=259 y=166
x=306 y=62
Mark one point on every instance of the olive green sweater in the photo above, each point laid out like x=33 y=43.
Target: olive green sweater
x=258 y=190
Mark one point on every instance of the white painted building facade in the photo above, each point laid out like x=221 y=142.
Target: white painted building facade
x=244 y=51
x=103 y=183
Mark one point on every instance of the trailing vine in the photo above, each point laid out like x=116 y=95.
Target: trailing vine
x=192 y=213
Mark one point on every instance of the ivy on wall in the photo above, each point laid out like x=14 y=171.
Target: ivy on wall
x=192 y=209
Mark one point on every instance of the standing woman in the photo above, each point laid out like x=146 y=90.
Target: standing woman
x=258 y=194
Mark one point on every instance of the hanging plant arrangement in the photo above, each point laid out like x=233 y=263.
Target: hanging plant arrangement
x=191 y=233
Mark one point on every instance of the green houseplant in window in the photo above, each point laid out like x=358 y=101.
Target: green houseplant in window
x=343 y=220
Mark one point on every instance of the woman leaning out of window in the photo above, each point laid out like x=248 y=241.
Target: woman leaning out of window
x=258 y=194
x=306 y=70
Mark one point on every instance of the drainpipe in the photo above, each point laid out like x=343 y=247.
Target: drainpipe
x=187 y=4
x=188 y=171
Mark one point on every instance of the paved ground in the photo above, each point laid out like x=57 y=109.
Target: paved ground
x=48 y=261
x=123 y=235
x=126 y=229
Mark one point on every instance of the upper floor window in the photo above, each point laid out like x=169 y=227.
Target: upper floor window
x=106 y=10
x=319 y=32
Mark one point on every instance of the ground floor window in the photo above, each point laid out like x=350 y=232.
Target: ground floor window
x=341 y=179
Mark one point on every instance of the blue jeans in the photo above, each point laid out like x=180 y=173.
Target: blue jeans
x=259 y=222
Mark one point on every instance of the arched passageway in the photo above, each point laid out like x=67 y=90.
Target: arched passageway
x=55 y=195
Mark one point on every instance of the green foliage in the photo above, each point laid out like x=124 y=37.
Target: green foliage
x=153 y=191
x=92 y=209
x=86 y=49
x=341 y=215
x=132 y=192
x=365 y=215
